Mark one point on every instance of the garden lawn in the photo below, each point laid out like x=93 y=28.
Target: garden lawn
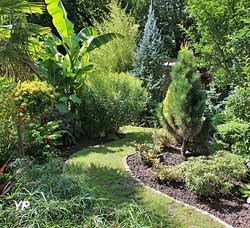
x=102 y=168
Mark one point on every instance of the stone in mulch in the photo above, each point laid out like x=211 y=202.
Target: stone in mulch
x=233 y=210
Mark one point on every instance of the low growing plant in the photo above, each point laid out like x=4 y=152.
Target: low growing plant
x=208 y=176
x=245 y=190
x=172 y=173
x=148 y=154
x=45 y=139
x=58 y=197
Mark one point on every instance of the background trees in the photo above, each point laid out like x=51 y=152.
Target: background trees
x=117 y=57
x=222 y=39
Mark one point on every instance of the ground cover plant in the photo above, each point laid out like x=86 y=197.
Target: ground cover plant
x=68 y=89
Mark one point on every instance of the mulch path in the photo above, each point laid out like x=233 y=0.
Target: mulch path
x=233 y=210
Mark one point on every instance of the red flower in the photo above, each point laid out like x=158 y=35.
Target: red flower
x=21 y=109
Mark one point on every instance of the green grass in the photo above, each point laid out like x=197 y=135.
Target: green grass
x=103 y=173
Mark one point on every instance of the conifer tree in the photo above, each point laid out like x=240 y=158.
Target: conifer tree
x=150 y=57
x=119 y=54
x=184 y=104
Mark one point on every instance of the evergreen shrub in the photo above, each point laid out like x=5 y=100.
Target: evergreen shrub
x=184 y=104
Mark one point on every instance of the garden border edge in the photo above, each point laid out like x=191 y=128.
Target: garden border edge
x=216 y=219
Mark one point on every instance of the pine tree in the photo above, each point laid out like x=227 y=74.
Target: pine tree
x=184 y=104
x=150 y=57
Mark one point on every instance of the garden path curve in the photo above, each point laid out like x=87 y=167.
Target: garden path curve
x=106 y=175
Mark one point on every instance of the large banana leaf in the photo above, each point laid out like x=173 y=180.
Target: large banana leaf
x=103 y=39
x=86 y=33
x=60 y=20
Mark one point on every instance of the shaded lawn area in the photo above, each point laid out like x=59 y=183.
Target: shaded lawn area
x=103 y=172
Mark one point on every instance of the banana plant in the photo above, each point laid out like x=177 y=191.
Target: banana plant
x=67 y=68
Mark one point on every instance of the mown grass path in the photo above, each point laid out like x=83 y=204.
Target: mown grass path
x=106 y=177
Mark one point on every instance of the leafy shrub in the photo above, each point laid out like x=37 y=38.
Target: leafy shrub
x=222 y=118
x=148 y=154
x=34 y=97
x=223 y=50
x=44 y=139
x=110 y=101
x=215 y=174
x=34 y=101
x=173 y=173
x=238 y=103
x=236 y=135
x=118 y=55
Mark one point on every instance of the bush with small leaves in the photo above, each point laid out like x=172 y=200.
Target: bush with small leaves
x=172 y=173
x=148 y=154
x=209 y=176
x=109 y=101
x=34 y=97
x=235 y=134
x=238 y=103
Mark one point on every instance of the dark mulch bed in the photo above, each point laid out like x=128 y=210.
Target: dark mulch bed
x=233 y=210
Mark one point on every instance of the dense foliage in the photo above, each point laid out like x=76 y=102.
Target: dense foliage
x=118 y=55
x=109 y=101
x=70 y=83
x=17 y=39
x=170 y=15
x=183 y=106
x=235 y=136
x=238 y=103
x=80 y=12
x=208 y=176
x=215 y=175
x=221 y=37
x=34 y=97
x=8 y=132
